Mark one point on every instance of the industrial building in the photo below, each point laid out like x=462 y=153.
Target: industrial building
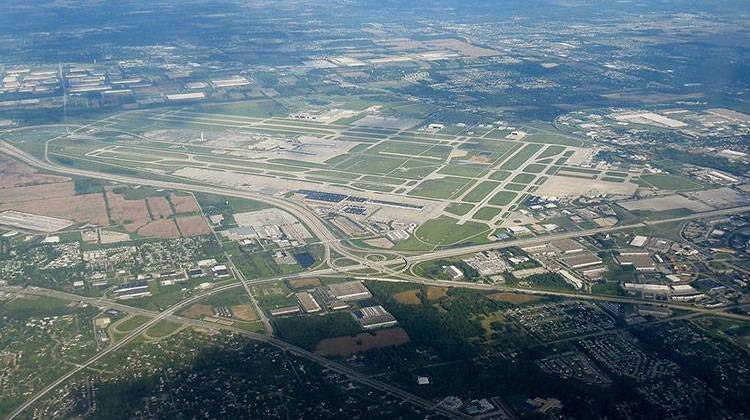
x=132 y=290
x=286 y=310
x=349 y=291
x=567 y=246
x=308 y=302
x=373 y=317
x=220 y=271
x=581 y=261
x=454 y=273
x=641 y=261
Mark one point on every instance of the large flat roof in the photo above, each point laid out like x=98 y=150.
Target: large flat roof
x=349 y=289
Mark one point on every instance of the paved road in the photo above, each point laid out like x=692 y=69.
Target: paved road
x=719 y=312
x=170 y=315
x=327 y=238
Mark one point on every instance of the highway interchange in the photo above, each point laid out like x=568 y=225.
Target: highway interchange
x=396 y=269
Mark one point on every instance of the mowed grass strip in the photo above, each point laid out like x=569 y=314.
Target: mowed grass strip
x=382 y=180
x=521 y=157
x=467 y=170
x=524 y=178
x=550 y=138
x=534 y=168
x=444 y=231
x=480 y=191
x=487 y=213
x=440 y=188
x=410 y=149
x=551 y=151
x=459 y=209
x=500 y=175
x=503 y=198
x=515 y=187
x=370 y=164
x=670 y=182
x=581 y=170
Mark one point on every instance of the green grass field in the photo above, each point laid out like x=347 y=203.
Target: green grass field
x=480 y=191
x=500 y=175
x=503 y=198
x=551 y=151
x=440 y=188
x=515 y=187
x=487 y=213
x=444 y=231
x=467 y=170
x=534 y=168
x=670 y=182
x=521 y=156
x=524 y=178
x=459 y=209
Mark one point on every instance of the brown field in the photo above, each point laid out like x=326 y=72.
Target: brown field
x=244 y=313
x=193 y=226
x=184 y=203
x=198 y=311
x=345 y=346
x=164 y=228
x=159 y=207
x=31 y=192
x=88 y=208
x=127 y=211
x=408 y=297
x=514 y=298
x=436 y=293
x=16 y=174
x=304 y=283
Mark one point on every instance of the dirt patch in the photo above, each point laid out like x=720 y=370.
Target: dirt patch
x=304 y=283
x=244 y=313
x=565 y=186
x=436 y=293
x=125 y=211
x=184 y=203
x=159 y=207
x=198 y=311
x=193 y=226
x=479 y=159
x=514 y=298
x=164 y=228
x=408 y=297
x=31 y=192
x=88 y=208
x=345 y=346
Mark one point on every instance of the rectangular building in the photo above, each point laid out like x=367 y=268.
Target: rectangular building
x=374 y=317
x=568 y=246
x=641 y=261
x=349 y=291
x=286 y=310
x=581 y=261
x=308 y=302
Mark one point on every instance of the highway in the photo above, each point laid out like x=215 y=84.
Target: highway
x=718 y=312
x=170 y=315
x=331 y=242
x=327 y=238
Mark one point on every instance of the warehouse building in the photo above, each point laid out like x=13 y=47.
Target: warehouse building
x=308 y=302
x=374 y=317
x=349 y=291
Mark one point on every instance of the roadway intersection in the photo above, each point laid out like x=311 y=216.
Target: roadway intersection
x=398 y=269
